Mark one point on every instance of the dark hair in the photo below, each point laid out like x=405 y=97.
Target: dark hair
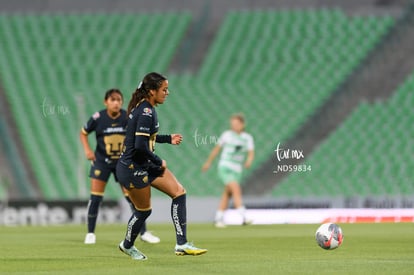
x=151 y=81
x=113 y=91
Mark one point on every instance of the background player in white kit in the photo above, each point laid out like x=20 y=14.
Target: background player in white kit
x=236 y=145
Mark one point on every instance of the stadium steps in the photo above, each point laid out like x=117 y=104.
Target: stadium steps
x=370 y=154
x=370 y=82
x=44 y=70
x=280 y=77
x=293 y=68
x=16 y=172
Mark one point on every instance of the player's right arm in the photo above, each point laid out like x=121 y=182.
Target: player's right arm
x=83 y=136
x=89 y=153
x=211 y=157
x=215 y=151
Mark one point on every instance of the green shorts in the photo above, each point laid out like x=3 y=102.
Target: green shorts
x=227 y=175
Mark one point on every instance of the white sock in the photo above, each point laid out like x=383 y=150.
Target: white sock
x=219 y=216
x=242 y=211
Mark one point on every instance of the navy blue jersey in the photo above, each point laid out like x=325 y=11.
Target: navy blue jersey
x=110 y=134
x=141 y=135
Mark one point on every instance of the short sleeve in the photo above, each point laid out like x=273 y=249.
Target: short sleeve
x=250 y=143
x=90 y=126
x=144 y=123
x=143 y=126
x=223 y=139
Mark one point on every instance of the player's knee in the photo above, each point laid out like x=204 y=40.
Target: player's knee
x=96 y=199
x=143 y=214
x=93 y=206
x=180 y=190
x=177 y=191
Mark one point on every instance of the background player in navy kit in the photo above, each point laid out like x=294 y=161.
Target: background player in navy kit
x=110 y=127
x=139 y=168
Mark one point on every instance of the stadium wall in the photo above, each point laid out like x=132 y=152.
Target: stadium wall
x=74 y=212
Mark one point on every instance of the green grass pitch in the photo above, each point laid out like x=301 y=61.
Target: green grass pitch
x=253 y=250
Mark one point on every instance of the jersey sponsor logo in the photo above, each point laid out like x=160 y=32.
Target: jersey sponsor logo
x=114 y=130
x=96 y=115
x=140 y=173
x=146 y=129
x=147 y=112
x=238 y=148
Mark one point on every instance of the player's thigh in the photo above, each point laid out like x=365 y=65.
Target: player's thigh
x=98 y=186
x=141 y=198
x=233 y=187
x=124 y=190
x=228 y=175
x=168 y=184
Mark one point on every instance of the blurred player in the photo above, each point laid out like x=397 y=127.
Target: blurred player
x=110 y=127
x=139 y=168
x=236 y=144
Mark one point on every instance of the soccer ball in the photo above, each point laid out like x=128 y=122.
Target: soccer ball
x=329 y=236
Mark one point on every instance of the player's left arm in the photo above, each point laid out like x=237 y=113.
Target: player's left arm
x=249 y=159
x=250 y=152
x=174 y=139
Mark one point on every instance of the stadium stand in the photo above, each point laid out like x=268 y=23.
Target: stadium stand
x=48 y=60
x=301 y=59
x=369 y=154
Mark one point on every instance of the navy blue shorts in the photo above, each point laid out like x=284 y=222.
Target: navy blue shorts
x=131 y=177
x=102 y=171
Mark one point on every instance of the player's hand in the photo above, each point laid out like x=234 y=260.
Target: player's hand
x=205 y=166
x=247 y=165
x=90 y=155
x=176 y=139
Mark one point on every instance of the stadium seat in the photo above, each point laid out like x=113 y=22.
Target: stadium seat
x=44 y=69
x=302 y=57
x=369 y=154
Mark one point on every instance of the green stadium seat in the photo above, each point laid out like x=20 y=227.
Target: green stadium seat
x=46 y=64
x=301 y=59
x=377 y=162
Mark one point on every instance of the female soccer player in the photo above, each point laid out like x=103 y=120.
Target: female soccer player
x=139 y=168
x=110 y=127
x=236 y=144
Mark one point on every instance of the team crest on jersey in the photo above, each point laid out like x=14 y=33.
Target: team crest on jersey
x=96 y=115
x=145 y=179
x=97 y=172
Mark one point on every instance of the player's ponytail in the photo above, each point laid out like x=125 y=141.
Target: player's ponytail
x=136 y=98
x=151 y=81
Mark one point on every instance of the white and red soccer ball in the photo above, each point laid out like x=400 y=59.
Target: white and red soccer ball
x=329 y=236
